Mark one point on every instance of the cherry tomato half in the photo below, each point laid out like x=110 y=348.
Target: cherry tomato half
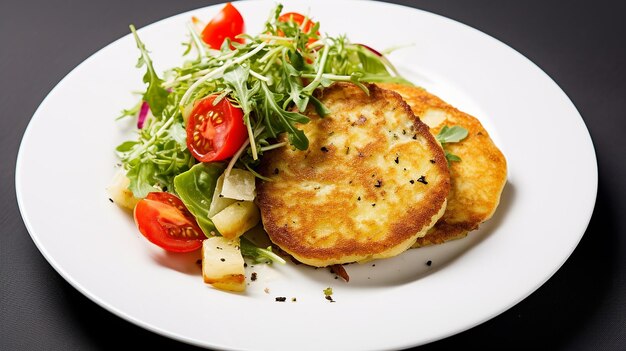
x=165 y=221
x=228 y=23
x=215 y=132
x=298 y=19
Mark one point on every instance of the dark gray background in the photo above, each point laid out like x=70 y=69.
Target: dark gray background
x=580 y=44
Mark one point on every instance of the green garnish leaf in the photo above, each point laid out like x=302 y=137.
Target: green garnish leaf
x=451 y=134
x=125 y=146
x=320 y=109
x=257 y=254
x=328 y=291
x=131 y=112
x=272 y=77
x=452 y=157
x=155 y=95
x=144 y=179
x=195 y=188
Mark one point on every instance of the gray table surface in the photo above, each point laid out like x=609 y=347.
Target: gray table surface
x=580 y=44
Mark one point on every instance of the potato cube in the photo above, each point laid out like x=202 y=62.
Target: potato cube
x=236 y=219
x=119 y=192
x=223 y=264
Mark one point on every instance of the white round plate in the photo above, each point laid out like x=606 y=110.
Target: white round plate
x=396 y=303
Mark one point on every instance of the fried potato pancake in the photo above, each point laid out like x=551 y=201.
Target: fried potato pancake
x=372 y=181
x=477 y=180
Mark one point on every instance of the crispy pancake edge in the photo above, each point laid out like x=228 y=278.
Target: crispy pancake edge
x=404 y=231
x=447 y=228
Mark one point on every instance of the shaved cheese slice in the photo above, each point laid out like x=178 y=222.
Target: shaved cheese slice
x=239 y=185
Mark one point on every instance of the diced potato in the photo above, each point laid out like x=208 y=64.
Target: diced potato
x=222 y=264
x=236 y=219
x=239 y=185
x=218 y=203
x=119 y=192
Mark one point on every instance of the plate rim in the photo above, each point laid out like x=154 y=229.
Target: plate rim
x=148 y=326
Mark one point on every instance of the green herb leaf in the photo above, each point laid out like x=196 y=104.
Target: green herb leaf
x=320 y=109
x=451 y=134
x=257 y=254
x=131 y=112
x=143 y=178
x=155 y=95
x=287 y=121
x=195 y=188
x=452 y=157
x=125 y=146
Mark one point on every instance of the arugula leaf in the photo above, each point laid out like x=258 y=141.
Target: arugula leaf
x=155 y=95
x=287 y=121
x=292 y=77
x=131 y=112
x=273 y=77
x=143 y=178
x=370 y=62
x=126 y=146
x=257 y=254
x=321 y=110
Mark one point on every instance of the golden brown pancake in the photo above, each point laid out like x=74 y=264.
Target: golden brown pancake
x=477 y=180
x=372 y=181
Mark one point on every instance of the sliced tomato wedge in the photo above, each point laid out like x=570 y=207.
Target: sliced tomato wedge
x=298 y=19
x=165 y=221
x=228 y=23
x=215 y=131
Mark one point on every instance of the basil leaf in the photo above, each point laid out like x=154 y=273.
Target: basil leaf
x=195 y=188
x=451 y=134
x=452 y=157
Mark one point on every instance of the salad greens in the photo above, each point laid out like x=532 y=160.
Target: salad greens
x=195 y=188
x=272 y=78
x=257 y=254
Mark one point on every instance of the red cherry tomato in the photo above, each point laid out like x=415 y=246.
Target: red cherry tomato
x=164 y=220
x=228 y=23
x=298 y=19
x=215 y=132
